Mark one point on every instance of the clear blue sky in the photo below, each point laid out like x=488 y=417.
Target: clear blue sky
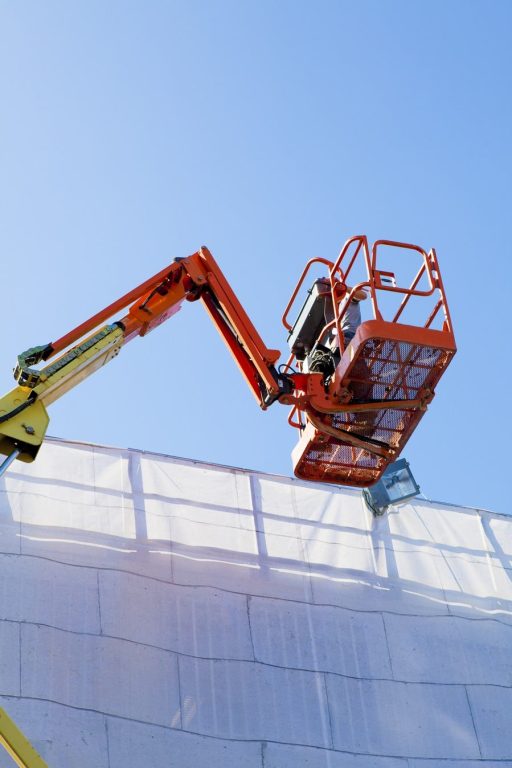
x=134 y=132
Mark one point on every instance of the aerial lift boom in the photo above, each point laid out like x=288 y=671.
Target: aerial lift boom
x=341 y=397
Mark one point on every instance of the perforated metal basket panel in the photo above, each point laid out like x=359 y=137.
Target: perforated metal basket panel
x=386 y=425
x=330 y=461
x=382 y=370
x=396 y=370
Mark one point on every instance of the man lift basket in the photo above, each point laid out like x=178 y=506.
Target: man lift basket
x=354 y=402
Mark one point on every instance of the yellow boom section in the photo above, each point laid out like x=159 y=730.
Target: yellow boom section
x=23 y=416
x=17 y=745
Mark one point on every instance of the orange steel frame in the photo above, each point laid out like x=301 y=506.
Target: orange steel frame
x=313 y=459
x=157 y=299
x=331 y=420
x=339 y=278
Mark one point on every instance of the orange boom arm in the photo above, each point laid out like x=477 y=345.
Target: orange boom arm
x=355 y=404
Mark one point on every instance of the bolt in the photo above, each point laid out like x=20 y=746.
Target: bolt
x=28 y=429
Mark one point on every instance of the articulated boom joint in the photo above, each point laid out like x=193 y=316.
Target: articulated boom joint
x=357 y=389
x=23 y=373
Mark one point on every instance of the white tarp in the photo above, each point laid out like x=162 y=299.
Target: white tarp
x=163 y=612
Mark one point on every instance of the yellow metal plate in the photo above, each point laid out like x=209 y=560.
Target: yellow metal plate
x=17 y=745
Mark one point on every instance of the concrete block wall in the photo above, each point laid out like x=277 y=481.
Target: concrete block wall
x=162 y=612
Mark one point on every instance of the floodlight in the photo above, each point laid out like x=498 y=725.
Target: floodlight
x=396 y=484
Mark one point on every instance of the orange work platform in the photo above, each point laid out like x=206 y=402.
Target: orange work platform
x=386 y=375
x=368 y=346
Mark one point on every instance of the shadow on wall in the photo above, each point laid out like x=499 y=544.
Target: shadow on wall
x=155 y=607
x=191 y=523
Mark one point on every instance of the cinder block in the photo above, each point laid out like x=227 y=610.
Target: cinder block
x=287 y=756
x=37 y=590
x=100 y=673
x=247 y=701
x=64 y=737
x=319 y=638
x=9 y=659
x=405 y=719
x=492 y=712
x=195 y=620
x=449 y=650
x=133 y=745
